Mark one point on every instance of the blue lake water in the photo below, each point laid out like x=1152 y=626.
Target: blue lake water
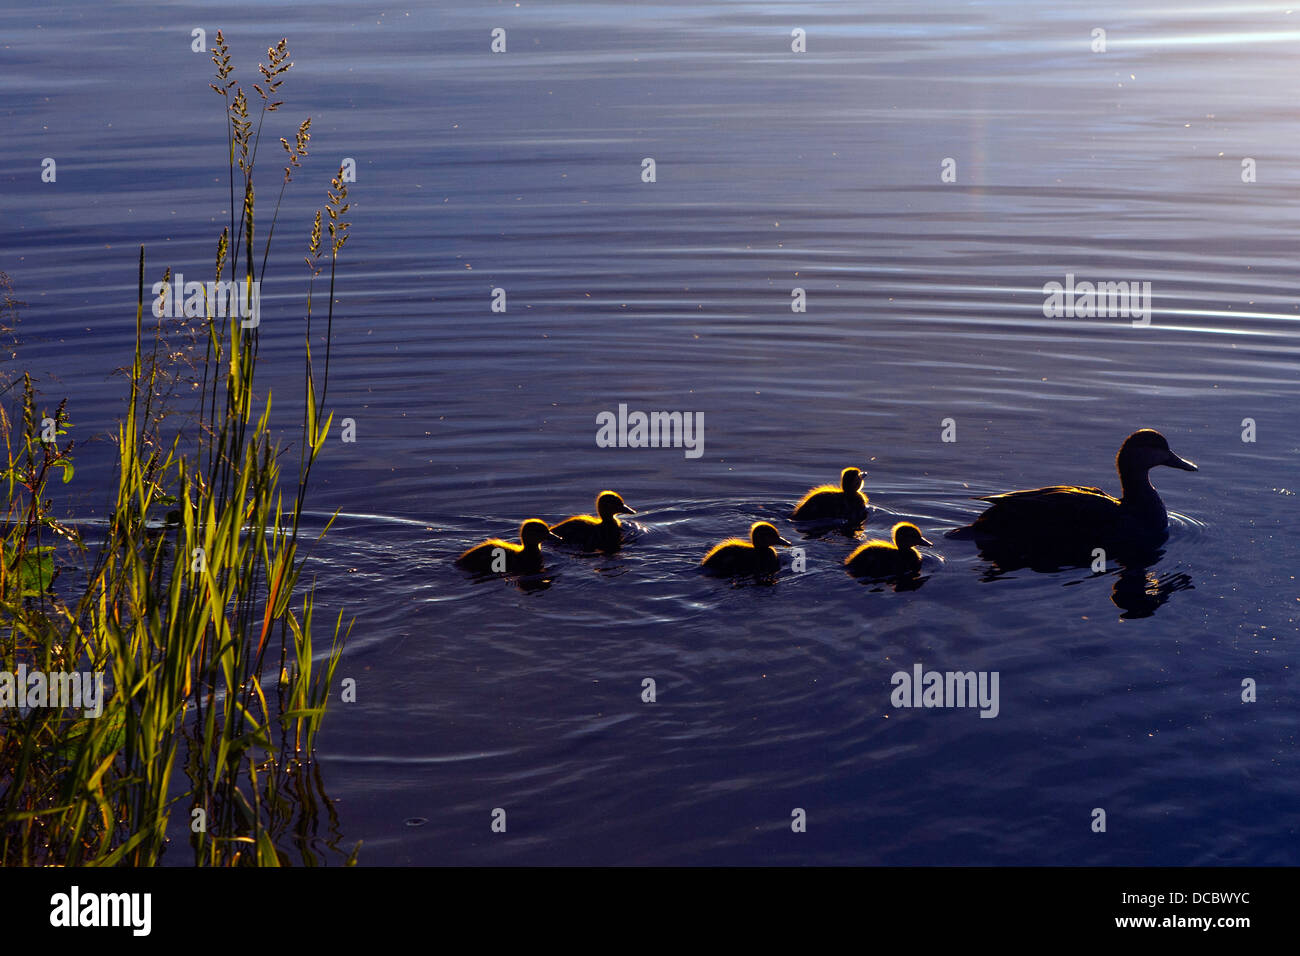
x=774 y=171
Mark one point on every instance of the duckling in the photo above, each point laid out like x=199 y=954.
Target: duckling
x=756 y=556
x=880 y=559
x=525 y=557
x=827 y=501
x=596 y=534
x=1070 y=519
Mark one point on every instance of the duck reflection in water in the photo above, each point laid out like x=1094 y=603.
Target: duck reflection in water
x=529 y=583
x=1139 y=592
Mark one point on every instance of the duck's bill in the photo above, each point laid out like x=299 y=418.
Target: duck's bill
x=1176 y=462
x=927 y=541
x=627 y=510
x=783 y=541
x=553 y=536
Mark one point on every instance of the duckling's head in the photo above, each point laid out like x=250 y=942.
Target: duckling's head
x=535 y=531
x=610 y=503
x=908 y=535
x=763 y=534
x=1144 y=450
x=851 y=480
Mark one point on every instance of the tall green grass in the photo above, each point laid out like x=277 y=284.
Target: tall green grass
x=191 y=599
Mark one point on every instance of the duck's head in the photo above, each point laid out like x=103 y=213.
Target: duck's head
x=610 y=503
x=851 y=480
x=1145 y=449
x=535 y=531
x=908 y=535
x=763 y=534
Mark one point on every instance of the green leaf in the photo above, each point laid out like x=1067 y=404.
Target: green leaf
x=113 y=736
x=35 y=569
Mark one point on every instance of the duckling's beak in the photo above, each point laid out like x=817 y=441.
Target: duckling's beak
x=553 y=536
x=1175 y=462
x=925 y=540
x=626 y=510
x=782 y=540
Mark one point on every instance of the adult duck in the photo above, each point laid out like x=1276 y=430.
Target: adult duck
x=826 y=502
x=599 y=532
x=1068 y=519
x=881 y=559
x=755 y=556
x=495 y=555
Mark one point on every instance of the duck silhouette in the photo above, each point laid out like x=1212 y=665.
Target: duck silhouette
x=756 y=556
x=825 y=502
x=596 y=533
x=881 y=559
x=495 y=555
x=1064 y=523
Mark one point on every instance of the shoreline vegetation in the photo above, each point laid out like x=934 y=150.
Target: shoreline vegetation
x=190 y=600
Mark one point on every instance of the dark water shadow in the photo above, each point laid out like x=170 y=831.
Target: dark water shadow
x=528 y=583
x=819 y=530
x=1137 y=590
x=898 y=583
x=765 y=579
